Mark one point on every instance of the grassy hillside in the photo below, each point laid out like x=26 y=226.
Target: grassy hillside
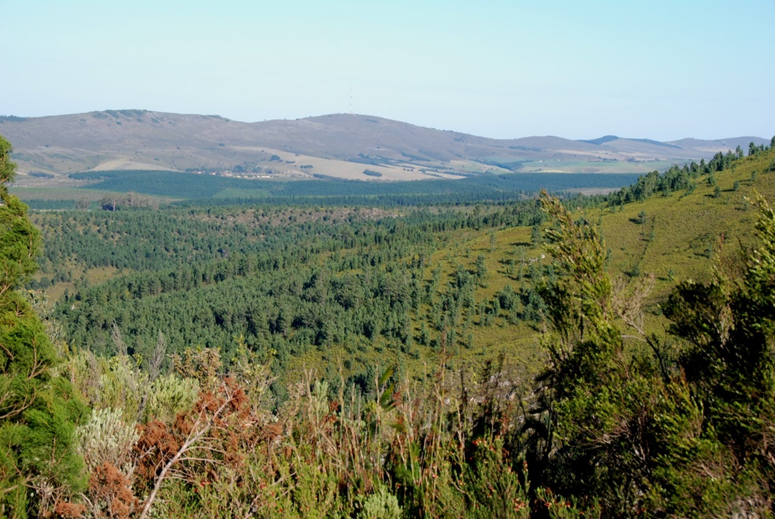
x=680 y=238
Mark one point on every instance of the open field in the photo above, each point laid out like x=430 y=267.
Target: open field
x=602 y=167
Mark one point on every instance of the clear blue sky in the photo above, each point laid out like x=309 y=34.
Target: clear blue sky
x=578 y=69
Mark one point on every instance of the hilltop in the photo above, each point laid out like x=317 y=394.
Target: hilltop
x=47 y=149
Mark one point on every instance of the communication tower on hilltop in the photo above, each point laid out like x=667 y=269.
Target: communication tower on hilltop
x=351 y=101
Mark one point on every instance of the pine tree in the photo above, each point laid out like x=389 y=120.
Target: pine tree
x=38 y=410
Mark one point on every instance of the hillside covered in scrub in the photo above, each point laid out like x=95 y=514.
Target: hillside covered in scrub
x=598 y=356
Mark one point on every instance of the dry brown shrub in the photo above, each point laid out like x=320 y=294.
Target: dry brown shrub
x=112 y=493
x=189 y=450
x=67 y=510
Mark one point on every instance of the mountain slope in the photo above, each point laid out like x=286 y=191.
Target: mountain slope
x=337 y=145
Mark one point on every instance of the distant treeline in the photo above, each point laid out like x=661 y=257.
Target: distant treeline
x=479 y=188
x=50 y=205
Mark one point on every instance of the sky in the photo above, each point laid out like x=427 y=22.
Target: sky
x=505 y=69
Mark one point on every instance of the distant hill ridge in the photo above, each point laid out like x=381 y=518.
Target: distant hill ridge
x=609 y=138
x=337 y=145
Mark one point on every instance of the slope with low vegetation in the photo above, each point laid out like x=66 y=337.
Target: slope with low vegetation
x=339 y=145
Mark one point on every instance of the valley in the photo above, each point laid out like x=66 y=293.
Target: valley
x=317 y=283
x=387 y=260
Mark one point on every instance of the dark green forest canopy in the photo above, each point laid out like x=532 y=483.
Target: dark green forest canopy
x=286 y=280
x=477 y=188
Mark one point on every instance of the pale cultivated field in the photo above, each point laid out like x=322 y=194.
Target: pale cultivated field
x=291 y=166
x=126 y=164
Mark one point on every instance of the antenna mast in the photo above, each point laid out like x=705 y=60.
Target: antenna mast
x=351 y=101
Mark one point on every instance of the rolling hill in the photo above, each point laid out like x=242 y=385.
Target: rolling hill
x=47 y=149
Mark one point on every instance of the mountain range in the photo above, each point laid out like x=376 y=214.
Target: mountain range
x=348 y=146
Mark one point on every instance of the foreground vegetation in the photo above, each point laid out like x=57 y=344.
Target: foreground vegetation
x=611 y=418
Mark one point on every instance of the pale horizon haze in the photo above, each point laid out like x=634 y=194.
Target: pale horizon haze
x=503 y=69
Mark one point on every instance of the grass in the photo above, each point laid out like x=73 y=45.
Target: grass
x=93 y=276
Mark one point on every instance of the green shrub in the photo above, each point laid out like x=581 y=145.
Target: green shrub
x=381 y=505
x=106 y=438
x=169 y=396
